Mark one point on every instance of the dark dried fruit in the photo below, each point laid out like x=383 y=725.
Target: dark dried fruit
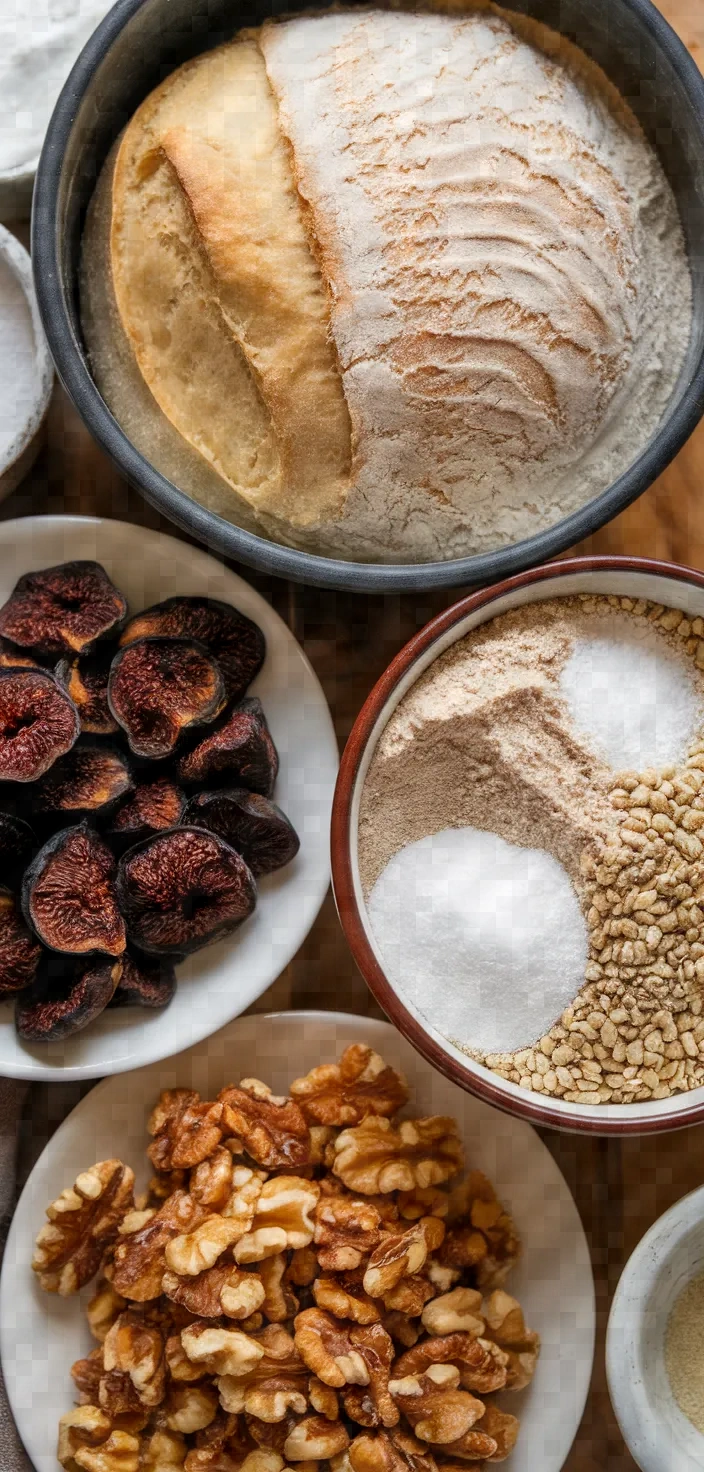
x=19 y=950
x=68 y=894
x=12 y=658
x=86 y=680
x=152 y=807
x=62 y=610
x=237 y=644
x=63 y=1000
x=17 y=841
x=160 y=687
x=182 y=889
x=38 y=724
x=241 y=749
x=250 y=823
x=145 y=983
x=87 y=780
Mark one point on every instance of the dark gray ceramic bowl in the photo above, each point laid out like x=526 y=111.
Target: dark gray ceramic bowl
x=141 y=41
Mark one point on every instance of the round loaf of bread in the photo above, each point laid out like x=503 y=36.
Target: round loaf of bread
x=388 y=285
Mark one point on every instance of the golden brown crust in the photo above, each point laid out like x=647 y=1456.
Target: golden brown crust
x=219 y=294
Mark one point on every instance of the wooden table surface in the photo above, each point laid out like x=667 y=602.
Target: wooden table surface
x=620 y=1187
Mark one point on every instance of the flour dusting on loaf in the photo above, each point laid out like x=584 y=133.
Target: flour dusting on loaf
x=441 y=258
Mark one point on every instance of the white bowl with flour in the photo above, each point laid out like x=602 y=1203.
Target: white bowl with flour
x=660 y=1437
x=426 y=1026
x=26 y=369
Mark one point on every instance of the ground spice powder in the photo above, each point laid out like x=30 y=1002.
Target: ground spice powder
x=684 y=1351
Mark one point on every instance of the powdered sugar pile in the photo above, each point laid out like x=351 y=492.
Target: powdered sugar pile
x=632 y=695
x=487 y=940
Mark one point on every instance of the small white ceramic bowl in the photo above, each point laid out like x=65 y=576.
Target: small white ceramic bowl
x=637 y=577
x=18 y=454
x=659 y=1436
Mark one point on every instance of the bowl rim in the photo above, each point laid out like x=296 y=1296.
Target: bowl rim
x=680 y=418
x=627 y=1389
x=343 y=869
x=18 y=262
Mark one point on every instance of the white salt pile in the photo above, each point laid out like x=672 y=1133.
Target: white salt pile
x=632 y=696
x=487 y=940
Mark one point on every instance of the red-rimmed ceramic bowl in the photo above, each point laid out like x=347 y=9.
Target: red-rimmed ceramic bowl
x=636 y=577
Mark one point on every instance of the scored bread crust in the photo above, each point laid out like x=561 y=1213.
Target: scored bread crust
x=219 y=294
x=484 y=267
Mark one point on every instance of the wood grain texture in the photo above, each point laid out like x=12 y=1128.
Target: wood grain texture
x=620 y=1188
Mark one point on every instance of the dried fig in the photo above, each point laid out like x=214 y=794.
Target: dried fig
x=19 y=949
x=159 y=687
x=241 y=748
x=38 y=724
x=152 y=807
x=182 y=889
x=145 y=982
x=62 y=610
x=86 y=681
x=68 y=894
x=237 y=644
x=17 y=842
x=12 y=658
x=87 y=780
x=64 y=999
x=252 y=824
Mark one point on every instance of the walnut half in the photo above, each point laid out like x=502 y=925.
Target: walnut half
x=344 y=1093
x=401 y=1254
x=437 y=1409
x=376 y=1157
x=83 y=1223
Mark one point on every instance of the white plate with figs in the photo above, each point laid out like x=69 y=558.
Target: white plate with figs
x=221 y=980
x=44 y=1333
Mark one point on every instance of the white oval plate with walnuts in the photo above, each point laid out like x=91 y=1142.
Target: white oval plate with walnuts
x=42 y=1334
x=222 y=980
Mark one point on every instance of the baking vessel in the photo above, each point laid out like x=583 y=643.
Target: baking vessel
x=659 y=1436
x=140 y=41
x=635 y=577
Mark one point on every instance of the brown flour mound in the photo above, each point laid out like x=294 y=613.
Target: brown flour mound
x=483 y=740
